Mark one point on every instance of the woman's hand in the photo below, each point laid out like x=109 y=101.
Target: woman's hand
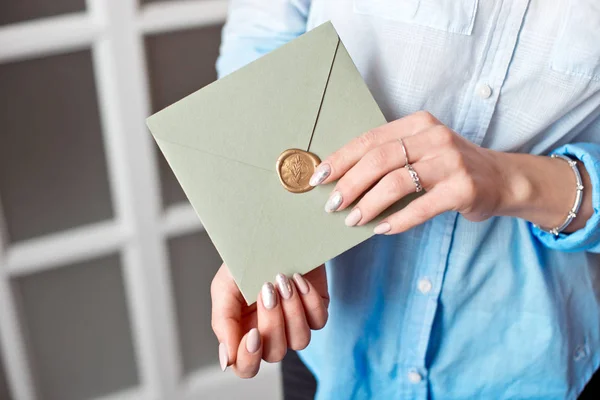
x=281 y=318
x=456 y=174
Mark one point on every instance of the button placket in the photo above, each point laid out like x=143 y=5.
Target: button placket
x=414 y=377
x=484 y=91
x=495 y=64
x=424 y=285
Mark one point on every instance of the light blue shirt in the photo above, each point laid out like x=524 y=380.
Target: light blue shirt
x=455 y=309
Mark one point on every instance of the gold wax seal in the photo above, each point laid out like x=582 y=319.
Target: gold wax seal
x=295 y=167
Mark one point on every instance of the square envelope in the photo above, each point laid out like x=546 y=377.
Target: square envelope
x=224 y=141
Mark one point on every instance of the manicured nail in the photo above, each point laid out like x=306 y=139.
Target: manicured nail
x=382 y=228
x=284 y=285
x=301 y=283
x=353 y=218
x=223 y=356
x=321 y=173
x=334 y=202
x=253 y=341
x=268 y=295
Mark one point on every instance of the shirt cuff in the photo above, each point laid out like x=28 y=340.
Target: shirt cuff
x=587 y=238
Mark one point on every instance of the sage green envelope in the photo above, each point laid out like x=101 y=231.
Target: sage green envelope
x=223 y=141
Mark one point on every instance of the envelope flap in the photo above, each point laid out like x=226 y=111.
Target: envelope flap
x=255 y=113
x=228 y=204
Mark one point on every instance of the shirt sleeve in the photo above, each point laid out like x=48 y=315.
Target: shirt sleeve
x=256 y=27
x=587 y=238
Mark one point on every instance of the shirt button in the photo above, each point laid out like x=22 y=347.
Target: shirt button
x=484 y=91
x=414 y=377
x=424 y=286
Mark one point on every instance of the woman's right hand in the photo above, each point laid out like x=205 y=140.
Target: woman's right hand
x=281 y=318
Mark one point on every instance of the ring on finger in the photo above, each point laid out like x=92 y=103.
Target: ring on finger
x=415 y=177
x=404 y=151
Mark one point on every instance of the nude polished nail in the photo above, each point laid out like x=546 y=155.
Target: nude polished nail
x=253 y=341
x=269 y=297
x=284 y=285
x=334 y=202
x=353 y=218
x=223 y=356
x=321 y=173
x=382 y=228
x=301 y=283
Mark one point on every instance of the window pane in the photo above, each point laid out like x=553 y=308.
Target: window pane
x=194 y=262
x=52 y=168
x=12 y=11
x=179 y=63
x=78 y=328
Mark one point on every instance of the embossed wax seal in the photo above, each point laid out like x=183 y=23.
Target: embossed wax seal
x=295 y=167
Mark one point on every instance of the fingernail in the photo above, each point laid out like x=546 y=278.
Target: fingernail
x=353 y=218
x=253 y=341
x=382 y=228
x=301 y=283
x=284 y=285
x=334 y=202
x=223 y=356
x=268 y=295
x=321 y=173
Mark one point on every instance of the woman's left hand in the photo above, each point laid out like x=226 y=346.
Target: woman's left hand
x=456 y=174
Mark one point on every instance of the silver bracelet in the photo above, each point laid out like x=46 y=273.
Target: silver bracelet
x=578 y=198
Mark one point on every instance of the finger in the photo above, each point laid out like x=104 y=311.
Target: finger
x=336 y=165
x=315 y=306
x=297 y=331
x=271 y=324
x=393 y=187
x=371 y=168
x=426 y=207
x=249 y=354
x=227 y=303
x=318 y=278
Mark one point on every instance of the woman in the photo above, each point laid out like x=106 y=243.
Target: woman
x=488 y=285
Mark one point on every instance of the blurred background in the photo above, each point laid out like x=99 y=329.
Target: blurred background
x=104 y=267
